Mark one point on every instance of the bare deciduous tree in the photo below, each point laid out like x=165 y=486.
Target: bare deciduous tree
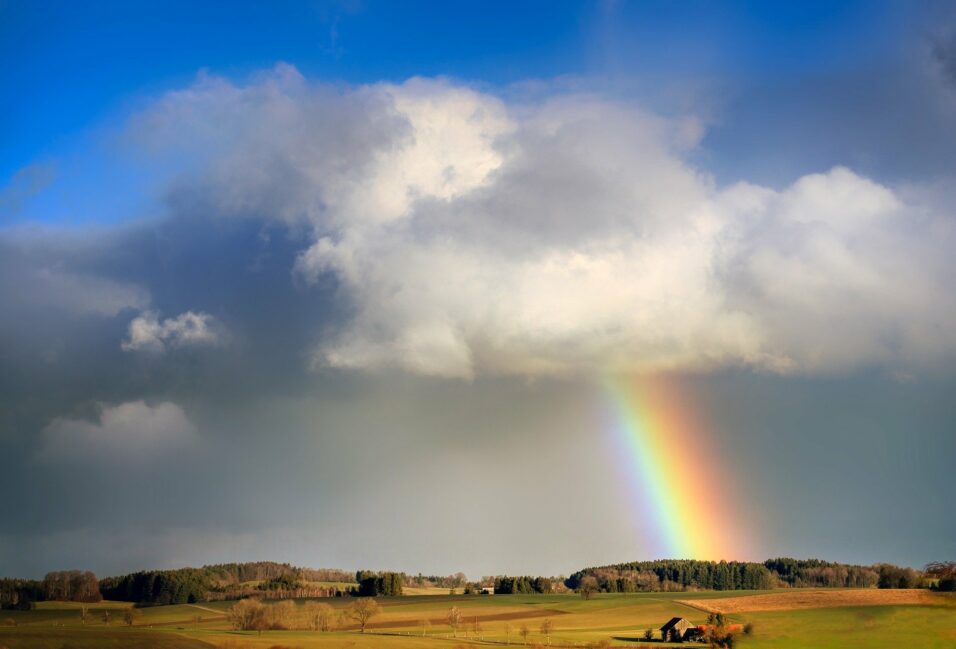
x=319 y=616
x=524 y=631
x=547 y=628
x=454 y=619
x=130 y=615
x=248 y=615
x=589 y=586
x=362 y=610
x=282 y=615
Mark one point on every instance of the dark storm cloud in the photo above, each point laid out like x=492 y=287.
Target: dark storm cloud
x=69 y=299
x=61 y=337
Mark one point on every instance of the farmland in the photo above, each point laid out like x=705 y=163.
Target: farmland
x=789 y=619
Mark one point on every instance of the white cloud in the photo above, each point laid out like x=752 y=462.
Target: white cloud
x=147 y=333
x=128 y=431
x=471 y=236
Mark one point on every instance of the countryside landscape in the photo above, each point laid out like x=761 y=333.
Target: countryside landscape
x=451 y=324
x=779 y=603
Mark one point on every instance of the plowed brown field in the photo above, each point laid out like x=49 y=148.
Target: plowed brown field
x=826 y=598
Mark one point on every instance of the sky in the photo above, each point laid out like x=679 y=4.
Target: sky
x=485 y=287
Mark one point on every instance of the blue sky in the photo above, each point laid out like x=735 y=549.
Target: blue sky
x=265 y=248
x=73 y=69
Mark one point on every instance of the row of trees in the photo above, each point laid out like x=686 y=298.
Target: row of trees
x=224 y=581
x=801 y=573
x=891 y=576
x=233 y=579
x=943 y=574
x=669 y=575
x=325 y=574
x=255 y=615
x=71 y=586
x=282 y=580
x=62 y=585
x=288 y=581
x=522 y=585
x=184 y=586
x=219 y=581
x=303 y=592
x=237 y=573
x=373 y=584
x=20 y=594
x=457 y=580
x=673 y=575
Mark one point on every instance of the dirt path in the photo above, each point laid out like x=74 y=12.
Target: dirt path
x=206 y=608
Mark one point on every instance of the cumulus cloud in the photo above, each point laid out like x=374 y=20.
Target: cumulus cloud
x=128 y=431
x=467 y=235
x=148 y=333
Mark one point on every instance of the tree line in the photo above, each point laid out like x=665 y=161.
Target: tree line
x=61 y=585
x=783 y=572
x=457 y=580
x=20 y=594
x=942 y=575
x=374 y=584
x=802 y=573
x=182 y=586
x=672 y=575
x=254 y=615
x=221 y=581
x=522 y=585
x=284 y=581
x=237 y=573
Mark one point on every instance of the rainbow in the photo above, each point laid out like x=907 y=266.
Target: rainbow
x=671 y=465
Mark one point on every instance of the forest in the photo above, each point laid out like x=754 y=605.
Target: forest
x=784 y=572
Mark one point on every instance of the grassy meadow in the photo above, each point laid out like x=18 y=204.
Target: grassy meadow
x=418 y=621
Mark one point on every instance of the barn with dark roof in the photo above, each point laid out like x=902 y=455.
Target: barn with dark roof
x=680 y=624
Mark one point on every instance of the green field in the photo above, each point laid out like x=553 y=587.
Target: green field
x=619 y=619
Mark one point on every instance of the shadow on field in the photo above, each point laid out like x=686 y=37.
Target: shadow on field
x=638 y=642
